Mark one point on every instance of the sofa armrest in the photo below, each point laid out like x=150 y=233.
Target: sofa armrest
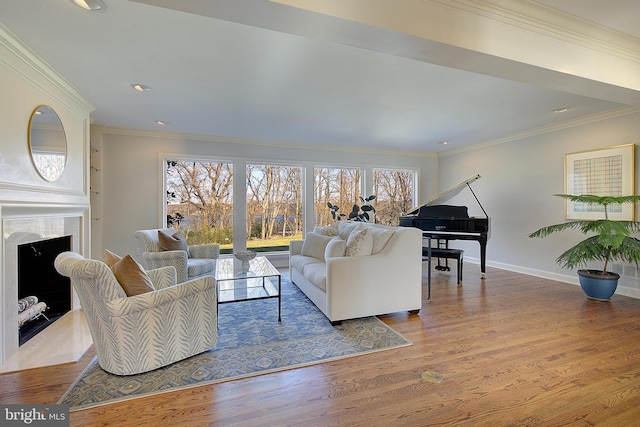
x=295 y=247
x=382 y=283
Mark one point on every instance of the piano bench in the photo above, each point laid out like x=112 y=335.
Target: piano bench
x=456 y=254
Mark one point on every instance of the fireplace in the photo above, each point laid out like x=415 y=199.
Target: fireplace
x=38 y=278
x=27 y=230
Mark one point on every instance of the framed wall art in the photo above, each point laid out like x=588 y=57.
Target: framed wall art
x=603 y=172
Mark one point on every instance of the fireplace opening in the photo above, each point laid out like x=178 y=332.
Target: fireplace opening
x=37 y=277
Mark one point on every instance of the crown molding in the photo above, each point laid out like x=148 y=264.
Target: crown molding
x=544 y=20
x=618 y=112
x=43 y=77
x=260 y=142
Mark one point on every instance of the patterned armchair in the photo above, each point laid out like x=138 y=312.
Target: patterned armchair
x=146 y=331
x=194 y=262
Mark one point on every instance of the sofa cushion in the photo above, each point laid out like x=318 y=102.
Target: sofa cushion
x=345 y=228
x=335 y=248
x=316 y=273
x=359 y=243
x=199 y=266
x=380 y=237
x=172 y=242
x=329 y=230
x=314 y=245
x=132 y=277
x=300 y=261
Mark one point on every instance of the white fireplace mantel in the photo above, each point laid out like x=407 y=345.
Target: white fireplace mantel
x=27 y=223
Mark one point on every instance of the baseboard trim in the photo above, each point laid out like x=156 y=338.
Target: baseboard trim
x=623 y=288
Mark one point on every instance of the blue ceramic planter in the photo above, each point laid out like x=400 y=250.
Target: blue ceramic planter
x=596 y=286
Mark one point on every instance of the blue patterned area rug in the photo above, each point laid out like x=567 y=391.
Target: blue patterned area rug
x=251 y=342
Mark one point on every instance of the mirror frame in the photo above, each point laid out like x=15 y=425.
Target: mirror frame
x=54 y=148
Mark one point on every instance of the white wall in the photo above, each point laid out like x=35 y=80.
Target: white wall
x=131 y=174
x=25 y=83
x=518 y=181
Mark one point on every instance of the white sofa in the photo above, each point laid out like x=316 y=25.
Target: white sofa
x=383 y=275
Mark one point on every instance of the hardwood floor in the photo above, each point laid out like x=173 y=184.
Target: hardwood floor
x=511 y=350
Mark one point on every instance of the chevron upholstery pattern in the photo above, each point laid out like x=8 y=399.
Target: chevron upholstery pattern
x=197 y=261
x=147 y=331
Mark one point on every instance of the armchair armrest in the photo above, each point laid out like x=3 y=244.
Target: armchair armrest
x=163 y=277
x=122 y=307
x=177 y=259
x=211 y=251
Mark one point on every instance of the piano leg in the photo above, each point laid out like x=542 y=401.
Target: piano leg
x=483 y=260
x=429 y=269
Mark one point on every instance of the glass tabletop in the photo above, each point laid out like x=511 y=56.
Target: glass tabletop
x=236 y=283
x=230 y=268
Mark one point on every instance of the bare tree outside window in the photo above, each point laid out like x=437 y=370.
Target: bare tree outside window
x=339 y=186
x=200 y=201
x=274 y=206
x=394 y=194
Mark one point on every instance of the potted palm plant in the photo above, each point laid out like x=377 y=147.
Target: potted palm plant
x=611 y=241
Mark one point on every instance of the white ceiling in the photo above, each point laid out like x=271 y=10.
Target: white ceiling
x=221 y=71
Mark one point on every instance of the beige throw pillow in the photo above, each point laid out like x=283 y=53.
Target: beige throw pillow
x=314 y=245
x=329 y=230
x=380 y=238
x=359 y=243
x=345 y=228
x=175 y=242
x=132 y=277
x=110 y=258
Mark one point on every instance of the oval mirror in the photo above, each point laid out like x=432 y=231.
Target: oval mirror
x=47 y=143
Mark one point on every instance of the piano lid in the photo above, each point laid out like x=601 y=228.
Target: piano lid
x=449 y=194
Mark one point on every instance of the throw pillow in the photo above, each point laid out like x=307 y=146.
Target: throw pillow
x=380 y=238
x=335 y=248
x=314 y=245
x=359 y=243
x=175 y=242
x=345 y=228
x=329 y=230
x=110 y=258
x=132 y=277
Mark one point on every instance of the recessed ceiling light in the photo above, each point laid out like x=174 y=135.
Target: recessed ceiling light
x=90 y=4
x=162 y=123
x=444 y=142
x=561 y=110
x=140 y=87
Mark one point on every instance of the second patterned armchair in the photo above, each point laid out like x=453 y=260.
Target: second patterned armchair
x=189 y=261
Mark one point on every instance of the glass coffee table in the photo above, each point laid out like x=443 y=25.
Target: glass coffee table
x=235 y=283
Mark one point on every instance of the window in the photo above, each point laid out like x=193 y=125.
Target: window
x=274 y=206
x=199 y=197
x=394 y=191
x=199 y=201
x=338 y=186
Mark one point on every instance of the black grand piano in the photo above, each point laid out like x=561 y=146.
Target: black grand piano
x=446 y=222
